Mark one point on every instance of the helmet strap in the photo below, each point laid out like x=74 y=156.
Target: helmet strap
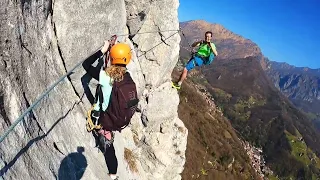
x=122 y=65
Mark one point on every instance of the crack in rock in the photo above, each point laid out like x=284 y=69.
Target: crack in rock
x=31 y=116
x=56 y=147
x=3 y=112
x=163 y=39
x=63 y=61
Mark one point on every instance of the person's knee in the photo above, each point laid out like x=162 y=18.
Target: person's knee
x=185 y=70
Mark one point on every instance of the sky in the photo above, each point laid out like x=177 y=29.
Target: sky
x=285 y=30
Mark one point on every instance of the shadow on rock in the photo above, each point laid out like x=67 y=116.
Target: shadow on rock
x=8 y=165
x=73 y=166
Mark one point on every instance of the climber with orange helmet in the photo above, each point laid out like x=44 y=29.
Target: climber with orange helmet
x=116 y=100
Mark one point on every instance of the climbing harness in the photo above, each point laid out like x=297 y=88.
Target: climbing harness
x=94 y=115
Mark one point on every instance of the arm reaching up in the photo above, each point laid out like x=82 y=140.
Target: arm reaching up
x=87 y=64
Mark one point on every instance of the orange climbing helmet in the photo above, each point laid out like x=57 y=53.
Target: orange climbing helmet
x=120 y=54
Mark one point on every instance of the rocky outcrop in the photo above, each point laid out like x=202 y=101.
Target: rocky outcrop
x=257 y=161
x=40 y=42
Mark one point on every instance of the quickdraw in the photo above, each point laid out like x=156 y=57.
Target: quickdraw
x=112 y=41
x=92 y=124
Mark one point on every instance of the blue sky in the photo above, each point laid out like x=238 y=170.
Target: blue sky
x=285 y=30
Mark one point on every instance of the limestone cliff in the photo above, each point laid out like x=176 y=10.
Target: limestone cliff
x=40 y=41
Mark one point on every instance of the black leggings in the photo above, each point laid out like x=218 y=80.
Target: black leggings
x=111 y=160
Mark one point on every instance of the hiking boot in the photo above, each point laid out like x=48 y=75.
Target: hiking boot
x=176 y=85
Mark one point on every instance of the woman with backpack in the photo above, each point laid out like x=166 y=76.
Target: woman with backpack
x=109 y=78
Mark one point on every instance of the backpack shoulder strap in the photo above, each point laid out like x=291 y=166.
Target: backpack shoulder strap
x=99 y=95
x=96 y=96
x=100 y=99
x=201 y=43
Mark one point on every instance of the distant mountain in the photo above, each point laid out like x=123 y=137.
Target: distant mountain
x=259 y=112
x=300 y=85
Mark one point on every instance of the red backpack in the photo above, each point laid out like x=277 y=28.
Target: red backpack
x=122 y=105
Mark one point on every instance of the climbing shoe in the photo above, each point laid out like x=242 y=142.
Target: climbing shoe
x=114 y=177
x=176 y=85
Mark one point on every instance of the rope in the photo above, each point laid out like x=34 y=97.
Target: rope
x=20 y=118
x=186 y=38
x=147 y=32
x=158 y=44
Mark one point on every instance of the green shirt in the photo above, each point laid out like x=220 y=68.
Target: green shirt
x=205 y=50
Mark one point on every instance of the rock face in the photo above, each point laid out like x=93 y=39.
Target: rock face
x=40 y=41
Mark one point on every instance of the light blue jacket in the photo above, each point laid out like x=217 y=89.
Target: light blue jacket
x=106 y=87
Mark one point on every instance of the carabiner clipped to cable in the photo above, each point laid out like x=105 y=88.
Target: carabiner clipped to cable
x=113 y=40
